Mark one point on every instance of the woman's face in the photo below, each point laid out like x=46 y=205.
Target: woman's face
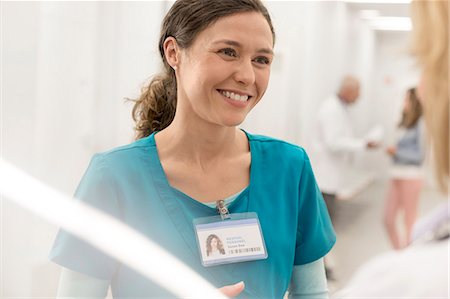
x=214 y=243
x=225 y=72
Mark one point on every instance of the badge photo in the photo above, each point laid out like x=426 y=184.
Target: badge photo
x=237 y=239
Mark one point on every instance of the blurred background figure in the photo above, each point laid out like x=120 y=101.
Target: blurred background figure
x=334 y=143
x=421 y=270
x=406 y=173
x=334 y=140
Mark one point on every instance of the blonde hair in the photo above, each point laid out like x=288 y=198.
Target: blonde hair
x=430 y=46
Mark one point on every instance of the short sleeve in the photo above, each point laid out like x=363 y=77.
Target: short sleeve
x=75 y=254
x=315 y=233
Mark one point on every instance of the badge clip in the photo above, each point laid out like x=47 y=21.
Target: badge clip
x=223 y=210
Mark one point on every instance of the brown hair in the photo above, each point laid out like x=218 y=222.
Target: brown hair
x=414 y=112
x=430 y=46
x=155 y=109
x=209 y=247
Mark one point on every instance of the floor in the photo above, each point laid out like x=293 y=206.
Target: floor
x=360 y=231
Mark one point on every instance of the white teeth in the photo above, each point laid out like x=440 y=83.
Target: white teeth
x=235 y=96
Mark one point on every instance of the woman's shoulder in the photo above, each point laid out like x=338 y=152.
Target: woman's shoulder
x=125 y=153
x=278 y=148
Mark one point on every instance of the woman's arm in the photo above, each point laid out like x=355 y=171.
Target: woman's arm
x=76 y=285
x=309 y=281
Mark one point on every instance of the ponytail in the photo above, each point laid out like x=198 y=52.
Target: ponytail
x=155 y=109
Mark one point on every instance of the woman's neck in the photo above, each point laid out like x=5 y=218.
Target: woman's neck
x=201 y=145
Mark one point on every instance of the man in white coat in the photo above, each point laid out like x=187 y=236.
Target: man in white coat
x=334 y=141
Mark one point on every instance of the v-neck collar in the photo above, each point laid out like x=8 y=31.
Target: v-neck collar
x=163 y=182
x=178 y=203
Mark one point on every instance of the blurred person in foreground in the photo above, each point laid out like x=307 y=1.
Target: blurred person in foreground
x=421 y=270
x=406 y=172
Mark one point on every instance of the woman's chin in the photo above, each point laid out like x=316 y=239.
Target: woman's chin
x=233 y=121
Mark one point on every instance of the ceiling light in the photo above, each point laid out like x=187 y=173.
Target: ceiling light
x=391 y=23
x=369 y=14
x=379 y=1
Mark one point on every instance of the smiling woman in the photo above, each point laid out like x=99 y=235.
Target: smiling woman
x=183 y=24
x=192 y=173
x=225 y=72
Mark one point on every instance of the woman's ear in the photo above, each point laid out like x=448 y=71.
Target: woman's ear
x=171 y=52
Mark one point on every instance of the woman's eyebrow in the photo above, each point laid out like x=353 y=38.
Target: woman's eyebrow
x=238 y=45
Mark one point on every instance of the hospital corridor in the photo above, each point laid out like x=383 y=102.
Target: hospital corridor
x=224 y=149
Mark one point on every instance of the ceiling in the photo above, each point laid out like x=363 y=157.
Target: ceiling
x=385 y=9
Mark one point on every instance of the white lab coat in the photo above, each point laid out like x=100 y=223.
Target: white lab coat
x=333 y=143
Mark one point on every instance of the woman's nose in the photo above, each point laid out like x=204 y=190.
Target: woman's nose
x=245 y=73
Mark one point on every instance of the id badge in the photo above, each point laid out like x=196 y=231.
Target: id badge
x=236 y=239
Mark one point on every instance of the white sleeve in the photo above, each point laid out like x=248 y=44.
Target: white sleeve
x=76 y=285
x=309 y=281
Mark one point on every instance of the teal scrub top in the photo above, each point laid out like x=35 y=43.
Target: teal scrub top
x=129 y=183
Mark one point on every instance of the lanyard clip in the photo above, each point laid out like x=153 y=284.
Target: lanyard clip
x=223 y=210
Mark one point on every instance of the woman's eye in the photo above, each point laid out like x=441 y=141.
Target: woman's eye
x=229 y=52
x=262 y=60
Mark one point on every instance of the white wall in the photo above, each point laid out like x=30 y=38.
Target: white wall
x=21 y=231
x=308 y=64
x=67 y=67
